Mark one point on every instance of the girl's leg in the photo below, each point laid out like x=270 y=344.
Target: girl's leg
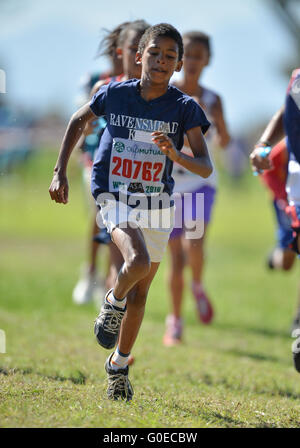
x=284 y=258
x=86 y=286
x=196 y=257
x=176 y=280
x=136 y=266
x=136 y=300
x=117 y=363
x=173 y=331
x=93 y=247
x=115 y=263
x=195 y=252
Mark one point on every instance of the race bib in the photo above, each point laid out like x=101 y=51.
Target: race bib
x=136 y=167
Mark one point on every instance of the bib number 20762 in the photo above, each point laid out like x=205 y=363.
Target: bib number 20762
x=133 y=169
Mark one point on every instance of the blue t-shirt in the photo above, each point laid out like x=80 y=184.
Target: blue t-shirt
x=127 y=159
x=292 y=115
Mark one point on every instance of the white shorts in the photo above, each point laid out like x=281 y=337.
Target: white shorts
x=293 y=182
x=156 y=225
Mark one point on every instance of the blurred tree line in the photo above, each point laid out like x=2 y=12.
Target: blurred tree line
x=289 y=15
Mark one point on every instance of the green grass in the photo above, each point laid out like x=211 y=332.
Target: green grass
x=237 y=372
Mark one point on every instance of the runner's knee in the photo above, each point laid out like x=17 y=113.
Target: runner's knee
x=139 y=264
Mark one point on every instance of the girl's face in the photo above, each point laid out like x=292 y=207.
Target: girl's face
x=195 y=58
x=128 y=51
x=160 y=59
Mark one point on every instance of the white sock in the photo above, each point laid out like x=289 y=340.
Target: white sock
x=119 y=360
x=116 y=302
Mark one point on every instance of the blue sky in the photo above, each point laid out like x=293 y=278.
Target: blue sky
x=46 y=46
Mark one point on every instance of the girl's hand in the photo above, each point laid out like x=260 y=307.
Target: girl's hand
x=59 y=188
x=259 y=163
x=165 y=144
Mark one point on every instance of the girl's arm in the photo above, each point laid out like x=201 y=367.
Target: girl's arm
x=199 y=164
x=223 y=136
x=91 y=125
x=59 y=186
x=273 y=133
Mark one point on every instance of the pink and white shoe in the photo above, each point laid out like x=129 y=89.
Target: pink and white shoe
x=204 y=307
x=173 y=334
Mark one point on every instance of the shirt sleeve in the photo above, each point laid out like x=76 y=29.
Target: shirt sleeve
x=194 y=116
x=98 y=102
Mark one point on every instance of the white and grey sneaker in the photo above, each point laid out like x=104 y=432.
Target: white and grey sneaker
x=87 y=286
x=108 y=323
x=119 y=385
x=296 y=349
x=295 y=327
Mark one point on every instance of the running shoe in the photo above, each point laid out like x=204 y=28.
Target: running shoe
x=204 y=307
x=173 y=334
x=296 y=349
x=87 y=287
x=295 y=327
x=107 y=325
x=119 y=385
x=269 y=261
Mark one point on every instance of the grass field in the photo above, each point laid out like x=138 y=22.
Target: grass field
x=237 y=372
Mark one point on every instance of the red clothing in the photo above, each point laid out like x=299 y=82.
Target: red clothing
x=275 y=178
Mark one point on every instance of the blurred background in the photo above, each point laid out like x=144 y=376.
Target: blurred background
x=47 y=50
x=47 y=47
